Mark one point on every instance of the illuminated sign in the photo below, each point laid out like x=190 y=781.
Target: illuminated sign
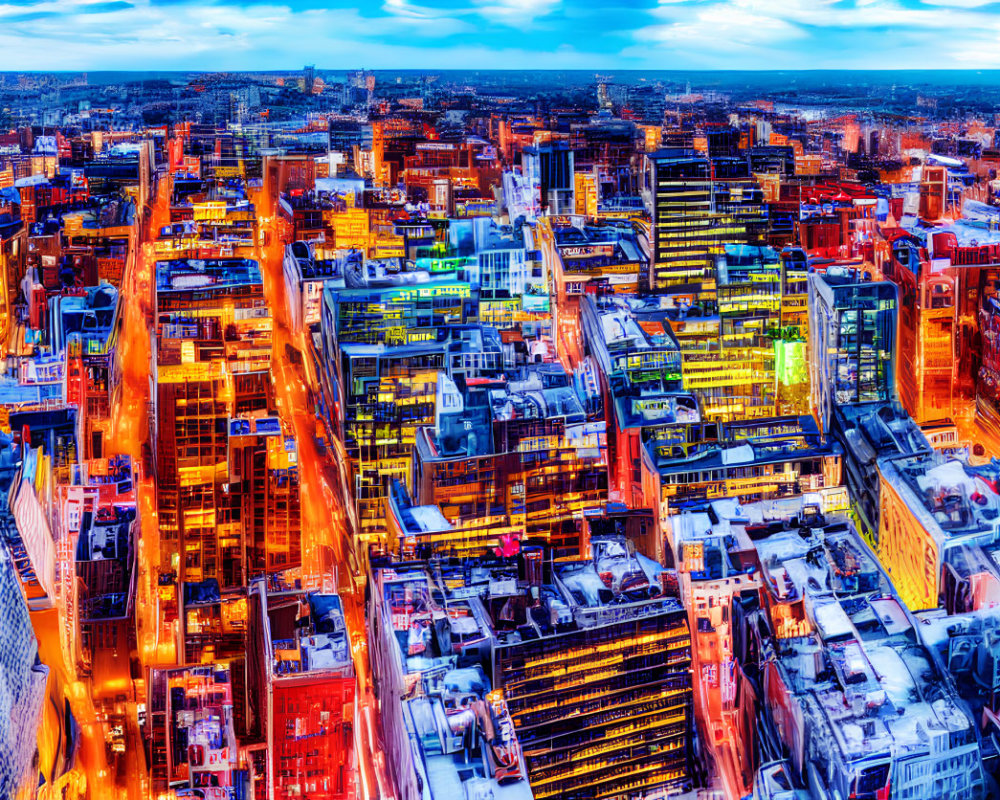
x=585 y=251
x=535 y=303
x=441 y=146
x=256 y=426
x=443 y=264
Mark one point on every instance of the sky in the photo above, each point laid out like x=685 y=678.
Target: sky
x=598 y=35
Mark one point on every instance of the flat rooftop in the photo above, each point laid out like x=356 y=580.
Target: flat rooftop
x=950 y=499
x=89 y=317
x=845 y=645
x=185 y=274
x=529 y=399
x=308 y=634
x=880 y=430
x=620 y=326
x=455 y=695
x=747 y=443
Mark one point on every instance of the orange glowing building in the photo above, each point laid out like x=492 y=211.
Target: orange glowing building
x=227 y=480
x=304 y=691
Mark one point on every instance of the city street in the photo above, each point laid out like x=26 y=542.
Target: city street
x=92 y=759
x=327 y=520
x=112 y=667
x=132 y=426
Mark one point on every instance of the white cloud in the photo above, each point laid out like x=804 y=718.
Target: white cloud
x=958 y=3
x=516 y=13
x=818 y=34
x=722 y=34
x=704 y=32
x=226 y=35
x=65 y=34
x=833 y=14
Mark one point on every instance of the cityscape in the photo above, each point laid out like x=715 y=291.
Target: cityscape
x=499 y=434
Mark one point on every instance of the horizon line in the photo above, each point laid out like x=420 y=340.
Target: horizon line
x=742 y=70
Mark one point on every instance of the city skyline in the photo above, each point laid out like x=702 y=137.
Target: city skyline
x=552 y=418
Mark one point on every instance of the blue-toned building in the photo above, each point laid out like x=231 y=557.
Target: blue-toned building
x=22 y=688
x=871 y=436
x=843 y=686
x=750 y=460
x=383 y=341
x=453 y=736
x=638 y=361
x=582 y=666
x=852 y=337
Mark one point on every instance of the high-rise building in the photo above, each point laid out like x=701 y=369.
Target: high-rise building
x=686 y=234
x=939 y=525
x=853 y=339
x=22 y=678
x=227 y=482
x=383 y=349
x=446 y=730
x=521 y=450
x=304 y=689
x=589 y=664
x=601 y=700
x=97 y=554
x=193 y=740
x=549 y=166
x=870 y=433
x=926 y=319
x=639 y=366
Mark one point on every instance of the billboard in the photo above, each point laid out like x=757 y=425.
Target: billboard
x=35 y=534
x=255 y=426
x=587 y=250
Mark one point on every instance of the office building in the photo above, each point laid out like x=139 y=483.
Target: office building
x=522 y=450
x=549 y=167
x=853 y=339
x=305 y=691
x=227 y=483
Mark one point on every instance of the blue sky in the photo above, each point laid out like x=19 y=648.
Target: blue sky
x=599 y=35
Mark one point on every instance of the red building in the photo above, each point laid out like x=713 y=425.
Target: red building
x=305 y=695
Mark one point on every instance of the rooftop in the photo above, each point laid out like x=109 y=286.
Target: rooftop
x=88 y=317
x=636 y=350
x=198 y=702
x=470 y=410
x=846 y=647
x=948 y=498
x=530 y=399
x=312 y=268
x=583 y=237
x=745 y=443
x=105 y=541
x=628 y=324
x=114 y=213
x=455 y=705
x=879 y=430
x=194 y=273
x=306 y=634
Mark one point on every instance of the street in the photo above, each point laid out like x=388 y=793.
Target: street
x=327 y=521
